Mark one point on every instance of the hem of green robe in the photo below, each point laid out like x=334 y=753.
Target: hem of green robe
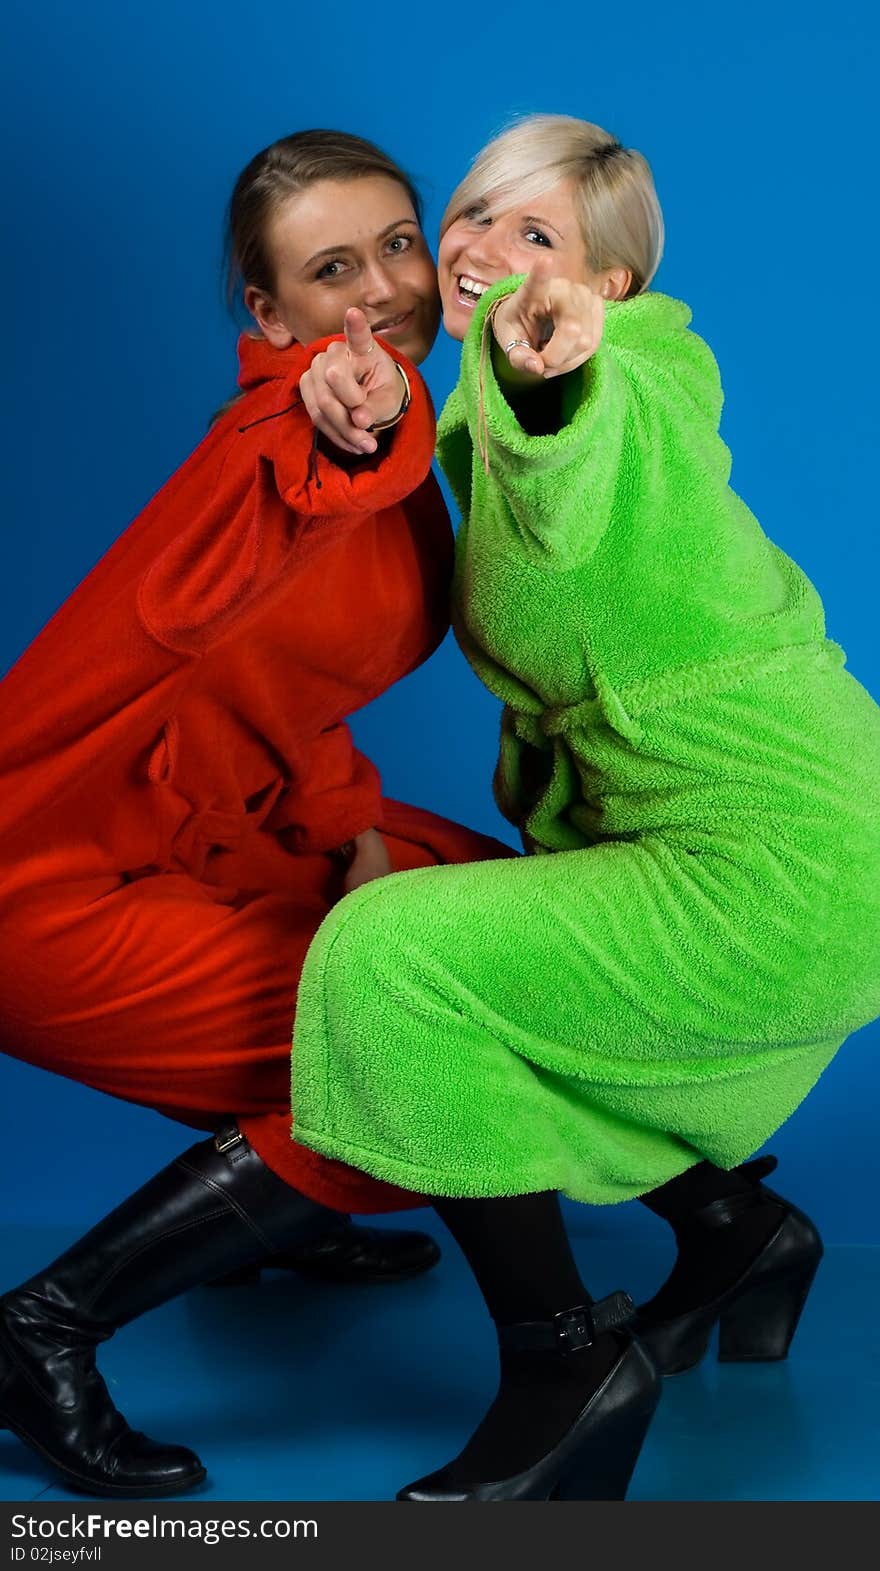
x=468 y=1185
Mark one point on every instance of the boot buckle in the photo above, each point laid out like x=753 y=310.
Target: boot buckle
x=227 y=1138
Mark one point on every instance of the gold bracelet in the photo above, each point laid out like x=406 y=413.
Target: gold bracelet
x=385 y=425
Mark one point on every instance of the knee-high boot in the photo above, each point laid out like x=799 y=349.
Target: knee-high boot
x=215 y=1207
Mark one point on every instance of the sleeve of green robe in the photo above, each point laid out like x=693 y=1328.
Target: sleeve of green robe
x=625 y=407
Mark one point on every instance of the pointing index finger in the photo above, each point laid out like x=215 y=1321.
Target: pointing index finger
x=537 y=279
x=358 y=336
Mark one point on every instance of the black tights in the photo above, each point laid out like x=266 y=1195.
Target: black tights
x=519 y=1253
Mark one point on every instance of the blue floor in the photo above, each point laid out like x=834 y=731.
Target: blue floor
x=293 y=1392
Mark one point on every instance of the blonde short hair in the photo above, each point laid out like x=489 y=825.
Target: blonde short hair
x=619 y=213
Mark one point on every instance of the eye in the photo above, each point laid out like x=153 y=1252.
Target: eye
x=538 y=237
x=398 y=244
x=330 y=270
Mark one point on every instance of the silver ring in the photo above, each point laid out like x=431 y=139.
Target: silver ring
x=523 y=342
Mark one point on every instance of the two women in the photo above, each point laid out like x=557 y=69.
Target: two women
x=628 y=1011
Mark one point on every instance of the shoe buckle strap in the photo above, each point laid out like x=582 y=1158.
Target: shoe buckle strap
x=611 y=1312
x=571 y=1329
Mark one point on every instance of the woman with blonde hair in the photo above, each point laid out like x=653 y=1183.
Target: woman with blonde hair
x=637 y=1005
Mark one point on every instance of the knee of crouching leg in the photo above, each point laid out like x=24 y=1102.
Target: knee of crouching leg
x=351 y=938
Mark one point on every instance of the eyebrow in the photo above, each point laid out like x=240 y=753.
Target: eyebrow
x=482 y=206
x=531 y=218
x=332 y=250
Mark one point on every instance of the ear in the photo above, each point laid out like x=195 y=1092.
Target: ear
x=264 y=312
x=616 y=283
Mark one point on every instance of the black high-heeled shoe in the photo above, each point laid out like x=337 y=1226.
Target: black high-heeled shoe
x=758 y=1314
x=595 y=1458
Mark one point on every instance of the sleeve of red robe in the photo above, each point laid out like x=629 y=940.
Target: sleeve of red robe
x=196 y=565
x=286 y=501
x=337 y=785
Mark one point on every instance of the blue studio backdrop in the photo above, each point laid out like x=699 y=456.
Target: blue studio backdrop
x=125 y=128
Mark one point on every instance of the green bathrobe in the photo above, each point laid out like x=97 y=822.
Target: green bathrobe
x=697 y=778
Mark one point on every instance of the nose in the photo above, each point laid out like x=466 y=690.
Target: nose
x=489 y=250
x=378 y=288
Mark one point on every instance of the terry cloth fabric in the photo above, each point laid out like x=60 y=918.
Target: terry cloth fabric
x=175 y=764
x=698 y=777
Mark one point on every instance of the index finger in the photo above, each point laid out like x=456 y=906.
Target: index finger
x=534 y=285
x=358 y=336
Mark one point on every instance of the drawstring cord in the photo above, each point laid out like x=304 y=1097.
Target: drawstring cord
x=482 y=420
x=276 y=416
x=312 y=472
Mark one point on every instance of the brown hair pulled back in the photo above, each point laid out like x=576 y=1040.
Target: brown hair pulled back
x=282 y=170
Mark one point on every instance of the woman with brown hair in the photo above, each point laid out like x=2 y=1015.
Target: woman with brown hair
x=182 y=802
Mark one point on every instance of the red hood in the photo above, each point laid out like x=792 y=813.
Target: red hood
x=259 y=362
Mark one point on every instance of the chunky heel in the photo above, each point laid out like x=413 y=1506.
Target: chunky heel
x=759 y=1324
x=758 y=1314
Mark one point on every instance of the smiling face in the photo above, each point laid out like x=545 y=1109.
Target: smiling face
x=341 y=243
x=482 y=246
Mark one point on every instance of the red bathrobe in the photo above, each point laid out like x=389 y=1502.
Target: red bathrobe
x=175 y=766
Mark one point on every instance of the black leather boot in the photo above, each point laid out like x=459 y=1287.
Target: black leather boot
x=216 y=1203
x=758 y=1313
x=595 y=1456
x=347 y=1253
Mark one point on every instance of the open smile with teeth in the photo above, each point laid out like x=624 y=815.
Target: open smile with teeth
x=470 y=289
